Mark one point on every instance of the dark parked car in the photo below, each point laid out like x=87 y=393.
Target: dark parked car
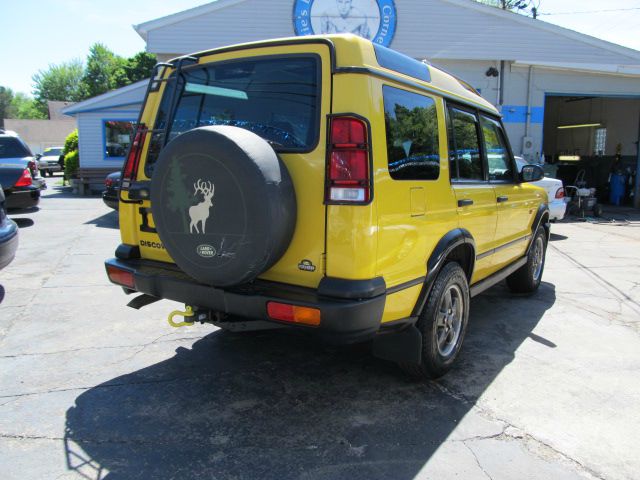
x=8 y=235
x=17 y=173
x=112 y=190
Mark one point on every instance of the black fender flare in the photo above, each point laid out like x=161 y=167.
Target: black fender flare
x=541 y=219
x=436 y=261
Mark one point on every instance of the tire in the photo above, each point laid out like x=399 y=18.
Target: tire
x=443 y=327
x=528 y=277
x=223 y=204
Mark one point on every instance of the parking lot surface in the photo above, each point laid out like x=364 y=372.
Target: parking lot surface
x=547 y=387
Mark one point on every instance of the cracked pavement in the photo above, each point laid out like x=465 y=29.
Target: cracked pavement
x=546 y=386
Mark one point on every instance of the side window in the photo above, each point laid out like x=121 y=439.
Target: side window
x=498 y=157
x=411 y=123
x=464 y=147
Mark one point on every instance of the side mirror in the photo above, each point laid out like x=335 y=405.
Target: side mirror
x=531 y=173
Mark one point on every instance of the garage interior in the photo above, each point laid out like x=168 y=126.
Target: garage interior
x=595 y=137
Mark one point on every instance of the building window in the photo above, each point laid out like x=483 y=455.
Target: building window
x=117 y=137
x=601 y=141
x=411 y=122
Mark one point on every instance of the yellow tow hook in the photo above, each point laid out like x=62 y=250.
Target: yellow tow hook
x=188 y=312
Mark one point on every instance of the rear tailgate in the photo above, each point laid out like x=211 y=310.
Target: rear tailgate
x=303 y=262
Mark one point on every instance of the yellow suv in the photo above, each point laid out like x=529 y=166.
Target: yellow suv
x=328 y=184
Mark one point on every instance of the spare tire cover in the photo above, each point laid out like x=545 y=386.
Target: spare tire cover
x=223 y=204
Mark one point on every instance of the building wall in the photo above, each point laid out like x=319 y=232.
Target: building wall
x=91 y=142
x=40 y=134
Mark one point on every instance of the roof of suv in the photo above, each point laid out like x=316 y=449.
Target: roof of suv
x=354 y=54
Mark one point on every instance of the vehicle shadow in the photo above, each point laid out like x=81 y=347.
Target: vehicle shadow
x=108 y=220
x=23 y=222
x=555 y=237
x=276 y=406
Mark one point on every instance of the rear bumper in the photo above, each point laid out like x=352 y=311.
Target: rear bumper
x=28 y=197
x=342 y=320
x=557 y=209
x=110 y=198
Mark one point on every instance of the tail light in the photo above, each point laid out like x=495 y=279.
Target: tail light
x=25 y=179
x=293 y=313
x=108 y=182
x=560 y=192
x=121 y=277
x=349 y=179
x=133 y=158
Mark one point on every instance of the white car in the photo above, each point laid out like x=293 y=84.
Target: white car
x=49 y=161
x=555 y=192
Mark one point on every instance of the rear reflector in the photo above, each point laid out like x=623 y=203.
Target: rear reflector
x=121 y=277
x=560 y=193
x=293 y=313
x=25 y=179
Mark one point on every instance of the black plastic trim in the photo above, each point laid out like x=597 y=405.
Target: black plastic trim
x=351 y=289
x=405 y=285
x=500 y=275
x=451 y=240
x=342 y=320
x=127 y=252
x=502 y=247
x=543 y=211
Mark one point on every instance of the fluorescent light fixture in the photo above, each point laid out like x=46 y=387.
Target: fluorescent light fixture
x=569 y=158
x=582 y=125
x=218 y=91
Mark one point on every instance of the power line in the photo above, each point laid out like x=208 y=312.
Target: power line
x=592 y=11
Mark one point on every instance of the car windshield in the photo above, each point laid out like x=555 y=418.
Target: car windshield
x=52 y=152
x=11 y=147
x=277 y=98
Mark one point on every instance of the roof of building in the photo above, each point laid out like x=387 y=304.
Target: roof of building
x=452 y=35
x=129 y=95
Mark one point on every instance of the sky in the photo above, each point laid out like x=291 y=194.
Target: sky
x=36 y=33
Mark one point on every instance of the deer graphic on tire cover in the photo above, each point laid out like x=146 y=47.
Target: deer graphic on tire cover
x=200 y=213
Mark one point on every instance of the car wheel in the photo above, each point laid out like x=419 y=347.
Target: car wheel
x=443 y=323
x=528 y=277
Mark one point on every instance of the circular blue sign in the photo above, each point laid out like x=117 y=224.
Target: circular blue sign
x=374 y=20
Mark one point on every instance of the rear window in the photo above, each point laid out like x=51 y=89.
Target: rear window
x=277 y=98
x=11 y=147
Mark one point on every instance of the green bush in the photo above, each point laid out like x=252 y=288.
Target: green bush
x=71 y=143
x=71 y=164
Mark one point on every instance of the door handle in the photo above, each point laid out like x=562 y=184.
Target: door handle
x=502 y=198
x=465 y=202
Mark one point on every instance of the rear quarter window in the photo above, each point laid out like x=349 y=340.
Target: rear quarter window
x=411 y=123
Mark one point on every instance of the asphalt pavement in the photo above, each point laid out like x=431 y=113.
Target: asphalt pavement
x=547 y=387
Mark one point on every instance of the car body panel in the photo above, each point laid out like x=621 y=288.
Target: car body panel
x=8 y=235
x=557 y=206
x=49 y=161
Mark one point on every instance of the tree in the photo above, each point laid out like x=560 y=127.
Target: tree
x=58 y=82
x=6 y=97
x=140 y=66
x=105 y=71
x=25 y=107
x=517 y=5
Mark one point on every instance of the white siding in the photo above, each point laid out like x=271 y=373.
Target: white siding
x=433 y=29
x=90 y=135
